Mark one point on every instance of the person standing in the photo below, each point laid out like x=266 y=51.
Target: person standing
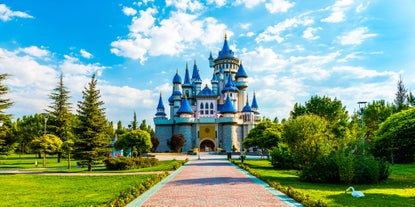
x=243 y=155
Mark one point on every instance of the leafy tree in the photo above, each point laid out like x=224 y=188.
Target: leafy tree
x=374 y=114
x=60 y=115
x=6 y=143
x=46 y=144
x=401 y=96
x=395 y=137
x=92 y=138
x=138 y=139
x=26 y=129
x=308 y=138
x=176 y=142
x=265 y=135
x=331 y=110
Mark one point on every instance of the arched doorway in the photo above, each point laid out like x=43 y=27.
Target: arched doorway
x=207 y=145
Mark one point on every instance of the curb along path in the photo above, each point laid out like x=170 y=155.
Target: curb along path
x=212 y=183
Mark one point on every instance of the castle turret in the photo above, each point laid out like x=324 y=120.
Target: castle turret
x=177 y=92
x=231 y=91
x=160 y=109
x=215 y=84
x=241 y=83
x=187 y=85
x=210 y=60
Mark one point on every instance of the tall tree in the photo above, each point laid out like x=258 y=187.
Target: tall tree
x=401 y=96
x=411 y=99
x=331 y=110
x=138 y=139
x=5 y=122
x=45 y=144
x=265 y=136
x=92 y=140
x=60 y=115
x=374 y=114
x=134 y=123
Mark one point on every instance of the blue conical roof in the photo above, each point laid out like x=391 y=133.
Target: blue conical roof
x=160 y=105
x=210 y=56
x=185 y=107
x=225 y=52
x=198 y=79
x=186 y=76
x=171 y=99
x=177 y=78
x=214 y=79
x=206 y=92
x=230 y=85
x=241 y=72
x=228 y=106
x=195 y=71
x=254 y=103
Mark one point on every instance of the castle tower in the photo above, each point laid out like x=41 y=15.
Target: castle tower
x=187 y=85
x=160 y=110
x=177 y=93
x=241 y=83
x=231 y=91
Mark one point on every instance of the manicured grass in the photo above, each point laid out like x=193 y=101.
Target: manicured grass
x=41 y=190
x=398 y=190
x=26 y=163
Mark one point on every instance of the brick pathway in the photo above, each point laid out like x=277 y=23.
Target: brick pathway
x=212 y=183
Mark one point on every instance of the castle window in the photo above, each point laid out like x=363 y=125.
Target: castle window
x=206 y=105
x=187 y=93
x=211 y=105
x=207 y=112
x=201 y=105
x=201 y=112
x=211 y=111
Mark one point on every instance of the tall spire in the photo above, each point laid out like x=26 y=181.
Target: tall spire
x=241 y=71
x=226 y=52
x=186 y=76
x=195 y=71
x=160 y=108
x=247 y=108
x=254 y=104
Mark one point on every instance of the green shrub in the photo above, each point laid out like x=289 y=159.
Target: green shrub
x=322 y=170
x=369 y=170
x=127 y=163
x=345 y=164
x=282 y=158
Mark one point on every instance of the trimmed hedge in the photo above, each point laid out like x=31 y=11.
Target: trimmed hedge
x=127 y=163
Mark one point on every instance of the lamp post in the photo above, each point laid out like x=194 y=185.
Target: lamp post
x=362 y=106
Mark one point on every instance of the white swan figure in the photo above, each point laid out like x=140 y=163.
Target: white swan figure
x=356 y=194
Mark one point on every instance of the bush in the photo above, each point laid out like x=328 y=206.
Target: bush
x=282 y=158
x=126 y=163
x=369 y=170
x=322 y=170
x=345 y=164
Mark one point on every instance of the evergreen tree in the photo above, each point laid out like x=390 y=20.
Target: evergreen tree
x=5 y=122
x=60 y=115
x=92 y=139
x=134 y=122
x=411 y=99
x=401 y=96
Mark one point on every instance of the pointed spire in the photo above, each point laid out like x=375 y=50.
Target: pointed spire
x=186 y=76
x=247 y=108
x=198 y=79
x=226 y=52
x=210 y=56
x=214 y=79
x=230 y=85
x=194 y=72
x=254 y=104
x=241 y=72
x=160 y=107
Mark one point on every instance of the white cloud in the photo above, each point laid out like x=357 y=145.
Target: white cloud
x=309 y=33
x=248 y=3
x=85 y=54
x=183 y=5
x=129 y=11
x=263 y=59
x=219 y=3
x=275 y=6
x=6 y=14
x=245 y=25
x=169 y=36
x=362 y=7
x=273 y=33
x=35 y=51
x=72 y=65
x=356 y=37
x=359 y=72
x=338 y=11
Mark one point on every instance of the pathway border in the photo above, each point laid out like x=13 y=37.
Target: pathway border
x=146 y=195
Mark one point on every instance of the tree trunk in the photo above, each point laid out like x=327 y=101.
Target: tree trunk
x=44 y=159
x=59 y=157
x=69 y=160
x=89 y=167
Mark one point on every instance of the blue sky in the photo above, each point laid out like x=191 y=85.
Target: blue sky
x=346 y=49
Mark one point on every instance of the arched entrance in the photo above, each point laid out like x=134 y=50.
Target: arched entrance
x=207 y=145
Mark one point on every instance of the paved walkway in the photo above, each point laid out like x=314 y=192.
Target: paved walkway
x=212 y=182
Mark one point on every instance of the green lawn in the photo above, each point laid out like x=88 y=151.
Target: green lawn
x=398 y=190
x=27 y=163
x=45 y=190
x=41 y=190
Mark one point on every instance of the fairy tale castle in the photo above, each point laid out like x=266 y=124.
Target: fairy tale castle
x=209 y=118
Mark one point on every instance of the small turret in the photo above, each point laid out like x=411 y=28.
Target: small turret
x=211 y=63
x=215 y=83
x=160 y=109
x=254 y=104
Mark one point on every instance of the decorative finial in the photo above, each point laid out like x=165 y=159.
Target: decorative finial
x=195 y=62
x=177 y=71
x=160 y=94
x=187 y=67
x=226 y=36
